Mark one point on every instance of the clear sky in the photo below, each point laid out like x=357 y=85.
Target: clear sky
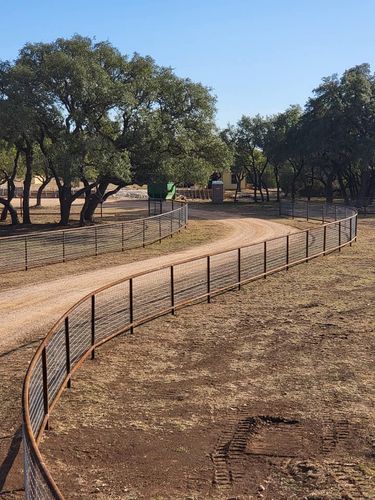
x=258 y=56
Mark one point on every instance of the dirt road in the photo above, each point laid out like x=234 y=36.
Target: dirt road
x=36 y=307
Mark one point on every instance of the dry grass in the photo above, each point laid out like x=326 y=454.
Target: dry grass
x=297 y=346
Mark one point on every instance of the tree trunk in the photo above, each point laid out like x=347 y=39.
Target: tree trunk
x=277 y=180
x=11 y=188
x=66 y=200
x=40 y=191
x=87 y=212
x=27 y=185
x=12 y=211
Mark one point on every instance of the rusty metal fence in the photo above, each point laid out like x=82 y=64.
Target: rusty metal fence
x=120 y=307
x=39 y=249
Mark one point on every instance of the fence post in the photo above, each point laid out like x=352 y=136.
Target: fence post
x=96 y=242
x=323 y=214
x=287 y=252
x=335 y=212
x=63 y=245
x=159 y=228
x=172 y=204
x=122 y=237
x=307 y=211
x=144 y=233
x=293 y=209
x=239 y=268
x=161 y=206
x=67 y=349
x=265 y=258
x=350 y=231
x=339 y=236
x=307 y=245
x=172 y=290
x=26 y=263
x=93 y=325
x=172 y=224
x=45 y=384
x=279 y=208
x=208 y=279
x=131 y=316
x=149 y=206
x=324 y=239
x=179 y=218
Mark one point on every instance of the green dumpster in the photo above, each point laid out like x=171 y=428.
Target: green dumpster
x=162 y=191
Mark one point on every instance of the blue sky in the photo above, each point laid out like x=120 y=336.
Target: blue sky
x=258 y=56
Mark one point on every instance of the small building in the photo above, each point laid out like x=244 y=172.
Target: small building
x=230 y=183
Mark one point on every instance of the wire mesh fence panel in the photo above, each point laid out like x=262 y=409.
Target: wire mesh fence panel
x=112 y=310
x=316 y=245
x=276 y=253
x=108 y=238
x=36 y=402
x=36 y=485
x=13 y=253
x=80 y=331
x=252 y=261
x=56 y=362
x=297 y=246
x=34 y=250
x=45 y=248
x=190 y=280
x=332 y=236
x=224 y=270
x=80 y=243
x=151 y=293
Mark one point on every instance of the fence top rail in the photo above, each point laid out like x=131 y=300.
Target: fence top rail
x=91 y=228
x=31 y=438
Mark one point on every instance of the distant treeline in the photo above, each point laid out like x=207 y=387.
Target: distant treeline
x=327 y=149
x=80 y=112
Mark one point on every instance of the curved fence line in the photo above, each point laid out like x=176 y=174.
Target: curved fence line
x=40 y=249
x=119 y=307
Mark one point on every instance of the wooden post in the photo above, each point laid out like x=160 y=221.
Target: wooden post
x=122 y=238
x=287 y=252
x=324 y=239
x=339 y=236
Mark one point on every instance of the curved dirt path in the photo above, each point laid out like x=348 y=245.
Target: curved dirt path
x=25 y=310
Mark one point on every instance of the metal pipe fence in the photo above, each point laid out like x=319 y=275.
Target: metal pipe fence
x=40 y=249
x=195 y=193
x=120 y=307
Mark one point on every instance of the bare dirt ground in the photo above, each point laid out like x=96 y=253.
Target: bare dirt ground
x=265 y=393
x=33 y=300
x=47 y=216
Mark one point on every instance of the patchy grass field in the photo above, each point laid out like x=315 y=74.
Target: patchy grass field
x=265 y=393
